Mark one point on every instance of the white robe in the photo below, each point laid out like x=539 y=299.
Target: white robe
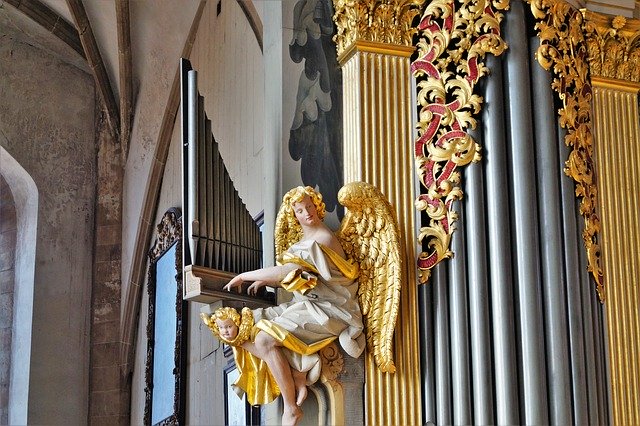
x=329 y=310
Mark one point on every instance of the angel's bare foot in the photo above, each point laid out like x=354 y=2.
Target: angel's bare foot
x=300 y=381
x=291 y=416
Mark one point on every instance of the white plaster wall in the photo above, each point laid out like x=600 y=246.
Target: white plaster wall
x=230 y=69
x=159 y=30
x=47 y=110
x=290 y=77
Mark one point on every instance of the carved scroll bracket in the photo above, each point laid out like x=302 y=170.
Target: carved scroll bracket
x=563 y=49
x=454 y=38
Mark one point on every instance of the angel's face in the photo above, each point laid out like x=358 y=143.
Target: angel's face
x=305 y=212
x=228 y=329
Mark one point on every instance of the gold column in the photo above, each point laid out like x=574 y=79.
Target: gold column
x=614 y=64
x=374 y=45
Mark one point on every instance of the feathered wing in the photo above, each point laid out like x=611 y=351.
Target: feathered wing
x=369 y=234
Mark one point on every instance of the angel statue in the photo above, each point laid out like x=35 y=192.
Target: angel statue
x=336 y=280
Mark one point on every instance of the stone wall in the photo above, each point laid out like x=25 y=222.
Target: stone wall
x=47 y=110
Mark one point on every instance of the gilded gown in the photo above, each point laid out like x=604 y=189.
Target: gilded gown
x=324 y=307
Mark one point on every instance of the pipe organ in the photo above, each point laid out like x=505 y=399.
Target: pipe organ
x=221 y=239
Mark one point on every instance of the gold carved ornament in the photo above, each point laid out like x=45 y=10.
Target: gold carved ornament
x=370 y=237
x=613 y=46
x=168 y=231
x=454 y=38
x=563 y=50
x=368 y=20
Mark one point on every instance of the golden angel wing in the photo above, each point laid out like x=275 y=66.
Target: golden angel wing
x=369 y=234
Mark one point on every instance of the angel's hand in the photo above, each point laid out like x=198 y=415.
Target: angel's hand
x=235 y=283
x=257 y=285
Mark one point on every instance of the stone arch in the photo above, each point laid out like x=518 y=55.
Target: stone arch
x=25 y=197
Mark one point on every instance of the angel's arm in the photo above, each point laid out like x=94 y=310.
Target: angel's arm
x=271 y=276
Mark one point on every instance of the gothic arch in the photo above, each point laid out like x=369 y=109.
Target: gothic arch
x=25 y=196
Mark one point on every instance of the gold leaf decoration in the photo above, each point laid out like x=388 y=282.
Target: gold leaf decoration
x=369 y=235
x=613 y=46
x=563 y=49
x=368 y=20
x=454 y=37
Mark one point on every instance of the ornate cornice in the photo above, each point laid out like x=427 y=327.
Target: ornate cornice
x=169 y=231
x=379 y=21
x=613 y=45
x=563 y=49
x=454 y=38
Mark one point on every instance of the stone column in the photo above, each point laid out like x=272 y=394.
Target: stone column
x=374 y=45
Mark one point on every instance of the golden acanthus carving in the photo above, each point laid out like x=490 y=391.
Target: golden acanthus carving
x=454 y=38
x=563 y=49
x=613 y=45
x=368 y=20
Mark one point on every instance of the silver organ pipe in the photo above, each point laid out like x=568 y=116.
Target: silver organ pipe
x=192 y=119
x=223 y=238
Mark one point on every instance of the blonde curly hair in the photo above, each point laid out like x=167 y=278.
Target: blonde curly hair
x=226 y=313
x=243 y=321
x=288 y=229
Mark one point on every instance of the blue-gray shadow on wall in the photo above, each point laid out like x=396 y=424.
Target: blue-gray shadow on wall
x=316 y=133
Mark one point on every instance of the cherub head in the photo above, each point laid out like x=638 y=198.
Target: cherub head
x=228 y=322
x=289 y=217
x=229 y=326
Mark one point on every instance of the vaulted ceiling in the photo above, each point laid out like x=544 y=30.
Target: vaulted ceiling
x=106 y=38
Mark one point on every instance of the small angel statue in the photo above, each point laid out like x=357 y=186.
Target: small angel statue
x=336 y=280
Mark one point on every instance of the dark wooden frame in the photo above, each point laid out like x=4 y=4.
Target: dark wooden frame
x=251 y=413
x=169 y=232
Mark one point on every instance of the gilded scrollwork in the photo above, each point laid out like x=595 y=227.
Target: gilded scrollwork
x=563 y=49
x=369 y=20
x=169 y=229
x=613 y=46
x=454 y=38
